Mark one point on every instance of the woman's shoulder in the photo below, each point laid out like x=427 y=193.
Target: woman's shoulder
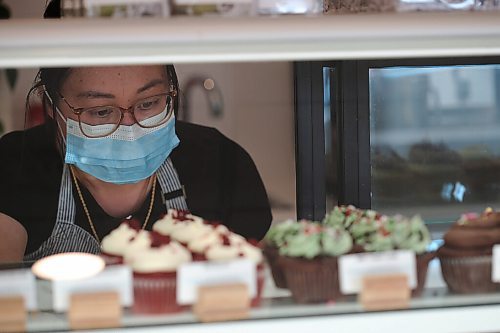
x=11 y=141
x=28 y=153
x=194 y=133
x=35 y=139
x=200 y=140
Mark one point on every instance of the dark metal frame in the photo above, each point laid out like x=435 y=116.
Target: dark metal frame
x=310 y=140
x=351 y=128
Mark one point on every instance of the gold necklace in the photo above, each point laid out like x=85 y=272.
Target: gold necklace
x=85 y=209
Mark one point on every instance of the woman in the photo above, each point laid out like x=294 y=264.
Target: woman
x=111 y=149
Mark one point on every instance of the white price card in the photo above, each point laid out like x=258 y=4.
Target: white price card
x=19 y=282
x=117 y=278
x=353 y=267
x=196 y=274
x=495 y=264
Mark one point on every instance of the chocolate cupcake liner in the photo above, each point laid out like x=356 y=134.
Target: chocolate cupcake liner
x=272 y=253
x=155 y=294
x=311 y=281
x=422 y=261
x=468 y=274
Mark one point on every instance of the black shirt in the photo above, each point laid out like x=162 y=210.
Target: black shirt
x=220 y=180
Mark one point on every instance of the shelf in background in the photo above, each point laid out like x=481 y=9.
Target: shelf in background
x=33 y=43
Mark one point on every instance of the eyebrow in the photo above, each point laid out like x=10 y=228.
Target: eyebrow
x=94 y=94
x=98 y=94
x=150 y=85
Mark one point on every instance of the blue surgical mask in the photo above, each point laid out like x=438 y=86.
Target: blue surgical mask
x=128 y=155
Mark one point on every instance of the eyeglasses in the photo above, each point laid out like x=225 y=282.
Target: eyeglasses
x=148 y=112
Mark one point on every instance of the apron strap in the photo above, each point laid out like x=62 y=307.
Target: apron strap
x=69 y=237
x=172 y=191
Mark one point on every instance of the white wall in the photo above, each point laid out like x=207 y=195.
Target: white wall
x=259 y=115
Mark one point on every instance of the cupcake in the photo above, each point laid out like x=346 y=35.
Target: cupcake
x=173 y=220
x=191 y=231
x=309 y=262
x=412 y=234
x=343 y=216
x=274 y=239
x=210 y=237
x=466 y=255
x=142 y=240
x=233 y=246
x=366 y=227
x=374 y=232
x=114 y=244
x=155 y=275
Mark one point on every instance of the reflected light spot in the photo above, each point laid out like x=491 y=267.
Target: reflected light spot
x=68 y=266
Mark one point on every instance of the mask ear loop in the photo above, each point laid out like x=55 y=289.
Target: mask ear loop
x=62 y=140
x=58 y=112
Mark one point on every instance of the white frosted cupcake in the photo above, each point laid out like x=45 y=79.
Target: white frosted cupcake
x=190 y=231
x=155 y=275
x=142 y=240
x=113 y=245
x=175 y=222
x=168 y=223
x=210 y=237
x=233 y=246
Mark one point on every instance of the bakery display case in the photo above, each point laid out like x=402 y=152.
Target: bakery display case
x=340 y=158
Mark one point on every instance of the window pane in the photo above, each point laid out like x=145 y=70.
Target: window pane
x=434 y=134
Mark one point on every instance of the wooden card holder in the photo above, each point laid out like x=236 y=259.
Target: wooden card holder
x=385 y=292
x=94 y=310
x=222 y=302
x=12 y=314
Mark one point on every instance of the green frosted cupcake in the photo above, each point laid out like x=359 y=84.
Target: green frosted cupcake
x=375 y=232
x=274 y=239
x=309 y=261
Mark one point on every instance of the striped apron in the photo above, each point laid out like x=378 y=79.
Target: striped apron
x=69 y=237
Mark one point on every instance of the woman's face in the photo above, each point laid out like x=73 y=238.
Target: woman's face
x=116 y=86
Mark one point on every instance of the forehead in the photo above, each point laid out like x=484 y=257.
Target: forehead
x=112 y=78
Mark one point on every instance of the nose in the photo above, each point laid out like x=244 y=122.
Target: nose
x=128 y=119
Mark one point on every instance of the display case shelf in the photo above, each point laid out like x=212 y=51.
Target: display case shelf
x=471 y=318
x=38 y=42
x=435 y=311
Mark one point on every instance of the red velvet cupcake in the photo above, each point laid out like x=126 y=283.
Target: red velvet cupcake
x=233 y=246
x=155 y=275
x=114 y=244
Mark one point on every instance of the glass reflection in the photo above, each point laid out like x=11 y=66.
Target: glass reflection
x=434 y=135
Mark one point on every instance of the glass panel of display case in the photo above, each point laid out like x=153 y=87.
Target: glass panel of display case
x=434 y=134
x=249 y=103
